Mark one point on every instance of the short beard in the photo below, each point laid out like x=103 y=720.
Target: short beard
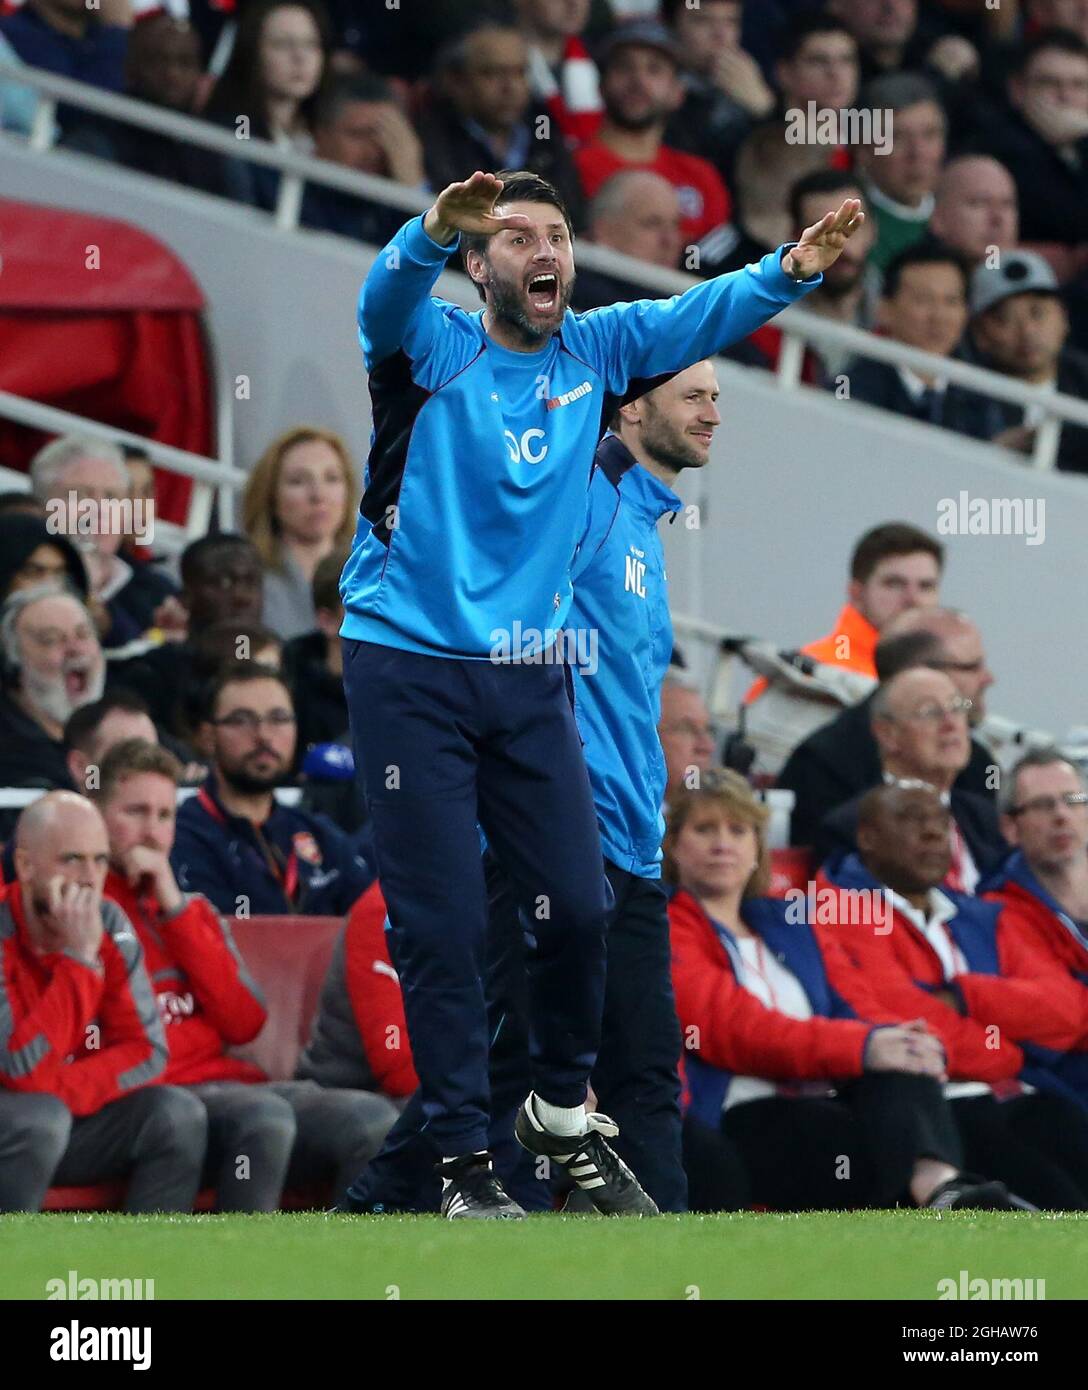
x=637 y=124
x=667 y=447
x=507 y=305
x=249 y=785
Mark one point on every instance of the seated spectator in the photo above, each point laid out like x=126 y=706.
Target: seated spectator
x=638 y=214
x=162 y=67
x=358 y=124
x=686 y=732
x=299 y=505
x=222 y=644
x=1043 y=138
x=69 y=38
x=893 y=567
x=221 y=580
x=1043 y=885
x=360 y=1037
x=887 y=33
x=781 y=1064
x=1020 y=328
x=562 y=76
x=641 y=90
x=901 y=178
x=236 y=843
x=841 y=759
x=924 y=305
x=293 y=1132
x=483 y=116
x=271 y=88
x=1000 y=1009
x=314 y=663
x=93 y=729
x=851 y=287
x=82 y=1040
x=919 y=721
x=817 y=62
x=725 y=91
x=975 y=209
x=93 y=471
x=766 y=167
x=31 y=553
x=53 y=663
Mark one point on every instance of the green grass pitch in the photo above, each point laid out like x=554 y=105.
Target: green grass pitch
x=877 y=1255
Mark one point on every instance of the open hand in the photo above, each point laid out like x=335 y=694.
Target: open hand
x=469 y=207
x=821 y=243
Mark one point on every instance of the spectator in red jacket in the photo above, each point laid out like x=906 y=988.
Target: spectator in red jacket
x=832 y=1104
x=1044 y=884
x=641 y=88
x=360 y=1037
x=562 y=75
x=292 y=1132
x=1003 y=1011
x=80 y=1038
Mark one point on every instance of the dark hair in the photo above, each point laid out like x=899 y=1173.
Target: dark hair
x=905 y=650
x=326 y=583
x=926 y=252
x=342 y=90
x=891 y=538
x=238 y=92
x=818 y=181
x=1045 y=756
x=217 y=645
x=1061 y=40
x=15 y=501
x=519 y=186
x=801 y=29
x=238 y=673
x=84 y=723
x=195 y=556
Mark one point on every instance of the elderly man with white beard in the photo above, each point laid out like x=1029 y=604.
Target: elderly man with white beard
x=52 y=664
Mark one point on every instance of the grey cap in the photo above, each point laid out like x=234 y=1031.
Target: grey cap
x=1020 y=272
x=638 y=33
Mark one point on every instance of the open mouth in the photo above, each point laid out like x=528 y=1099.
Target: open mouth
x=75 y=683
x=543 y=291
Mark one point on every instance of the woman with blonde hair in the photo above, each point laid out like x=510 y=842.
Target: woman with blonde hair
x=298 y=507
x=831 y=1103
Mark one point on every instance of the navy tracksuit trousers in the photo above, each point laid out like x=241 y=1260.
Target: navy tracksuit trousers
x=442 y=745
x=635 y=1078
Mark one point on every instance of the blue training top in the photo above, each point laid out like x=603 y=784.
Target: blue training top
x=480 y=458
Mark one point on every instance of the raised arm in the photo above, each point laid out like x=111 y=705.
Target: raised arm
x=396 y=311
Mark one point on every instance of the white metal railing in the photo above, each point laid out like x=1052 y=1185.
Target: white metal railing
x=208 y=474
x=18 y=798
x=799 y=327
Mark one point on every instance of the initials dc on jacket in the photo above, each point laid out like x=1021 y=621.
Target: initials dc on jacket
x=480 y=457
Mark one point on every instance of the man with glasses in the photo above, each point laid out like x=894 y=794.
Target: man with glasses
x=1044 y=883
x=920 y=723
x=688 y=737
x=236 y=844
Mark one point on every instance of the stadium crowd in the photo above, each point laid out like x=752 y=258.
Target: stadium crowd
x=922 y=1005
x=672 y=134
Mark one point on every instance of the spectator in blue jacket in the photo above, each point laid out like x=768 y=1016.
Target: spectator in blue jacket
x=236 y=844
x=67 y=37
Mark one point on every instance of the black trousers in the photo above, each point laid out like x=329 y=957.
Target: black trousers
x=444 y=746
x=635 y=1078
x=1037 y=1145
x=856 y=1149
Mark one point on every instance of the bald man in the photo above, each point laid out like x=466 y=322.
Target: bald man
x=80 y=1038
x=920 y=724
x=955 y=962
x=637 y=213
x=976 y=208
x=841 y=759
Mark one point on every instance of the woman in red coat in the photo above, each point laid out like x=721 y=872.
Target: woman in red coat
x=831 y=1104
